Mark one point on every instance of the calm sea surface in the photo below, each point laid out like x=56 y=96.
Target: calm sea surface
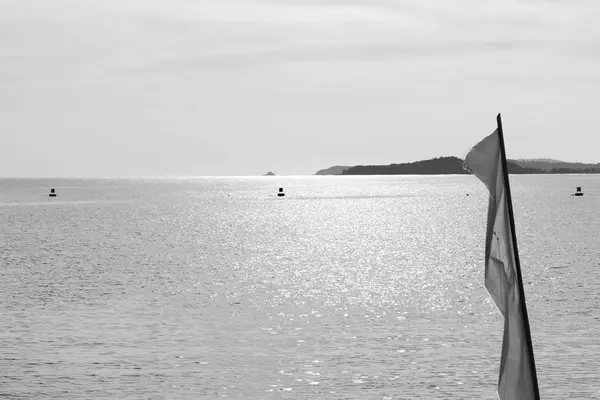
x=347 y=288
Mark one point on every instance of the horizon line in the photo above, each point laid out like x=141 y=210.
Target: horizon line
x=271 y=176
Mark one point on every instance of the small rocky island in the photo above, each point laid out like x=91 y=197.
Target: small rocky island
x=269 y=174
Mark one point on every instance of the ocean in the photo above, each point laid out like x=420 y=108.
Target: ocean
x=362 y=287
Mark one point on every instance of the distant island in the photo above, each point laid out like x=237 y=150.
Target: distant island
x=454 y=166
x=548 y=166
x=269 y=174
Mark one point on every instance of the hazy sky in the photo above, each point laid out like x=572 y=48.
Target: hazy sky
x=242 y=87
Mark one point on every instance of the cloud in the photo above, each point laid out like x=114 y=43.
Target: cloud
x=329 y=53
x=88 y=36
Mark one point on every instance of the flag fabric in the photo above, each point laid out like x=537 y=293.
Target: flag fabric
x=517 y=368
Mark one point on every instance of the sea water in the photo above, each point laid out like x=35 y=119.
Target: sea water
x=347 y=288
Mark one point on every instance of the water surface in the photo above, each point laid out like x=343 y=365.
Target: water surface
x=347 y=288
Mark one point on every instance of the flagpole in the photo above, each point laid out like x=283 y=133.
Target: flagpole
x=517 y=262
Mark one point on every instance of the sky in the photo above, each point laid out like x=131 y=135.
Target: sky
x=242 y=87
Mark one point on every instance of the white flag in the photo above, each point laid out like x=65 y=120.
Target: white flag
x=517 y=368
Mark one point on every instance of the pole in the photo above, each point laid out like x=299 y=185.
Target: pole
x=517 y=262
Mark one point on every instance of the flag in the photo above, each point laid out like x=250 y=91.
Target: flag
x=518 y=380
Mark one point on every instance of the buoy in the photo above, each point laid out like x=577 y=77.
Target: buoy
x=578 y=192
x=280 y=194
x=52 y=193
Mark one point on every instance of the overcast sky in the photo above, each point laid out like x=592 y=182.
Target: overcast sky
x=242 y=87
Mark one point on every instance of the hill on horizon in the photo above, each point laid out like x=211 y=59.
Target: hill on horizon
x=556 y=166
x=435 y=166
x=335 y=170
x=453 y=165
x=548 y=160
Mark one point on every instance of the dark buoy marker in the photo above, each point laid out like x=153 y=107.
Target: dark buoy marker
x=578 y=192
x=280 y=194
x=52 y=193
